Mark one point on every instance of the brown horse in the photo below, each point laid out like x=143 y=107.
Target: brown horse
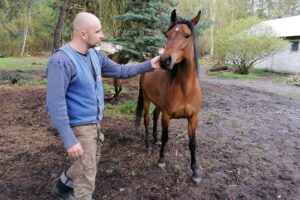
x=174 y=89
x=120 y=58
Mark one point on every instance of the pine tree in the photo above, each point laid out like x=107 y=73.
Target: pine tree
x=144 y=22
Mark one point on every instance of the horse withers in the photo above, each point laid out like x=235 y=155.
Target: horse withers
x=174 y=89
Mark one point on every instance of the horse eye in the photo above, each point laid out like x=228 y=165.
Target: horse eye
x=187 y=35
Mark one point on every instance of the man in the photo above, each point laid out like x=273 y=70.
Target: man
x=75 y=102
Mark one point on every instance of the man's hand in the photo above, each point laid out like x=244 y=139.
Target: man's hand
x=75 y=151
x=155 y=62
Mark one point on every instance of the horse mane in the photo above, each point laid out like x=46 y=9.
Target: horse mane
x=191 y=27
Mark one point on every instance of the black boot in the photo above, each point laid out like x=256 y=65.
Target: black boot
x=61 y=191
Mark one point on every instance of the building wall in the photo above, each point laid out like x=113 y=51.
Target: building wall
x=284 y=61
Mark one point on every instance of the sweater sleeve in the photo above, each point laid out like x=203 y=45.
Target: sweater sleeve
x=114 y=70
x=59 y=75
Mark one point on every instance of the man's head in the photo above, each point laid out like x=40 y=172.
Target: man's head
x=87 y=28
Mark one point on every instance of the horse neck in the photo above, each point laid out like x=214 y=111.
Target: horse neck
x=186 y=74
x=187 y=67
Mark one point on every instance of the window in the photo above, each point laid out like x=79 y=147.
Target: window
x=295 y=45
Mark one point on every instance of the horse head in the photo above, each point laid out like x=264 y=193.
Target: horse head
x=180 y=41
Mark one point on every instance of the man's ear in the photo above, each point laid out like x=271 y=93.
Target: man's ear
x=83 y=35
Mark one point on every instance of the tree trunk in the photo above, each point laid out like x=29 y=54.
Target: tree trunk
x=26 y=32
x=242 y=69
x=59 y=25
x=212 y=15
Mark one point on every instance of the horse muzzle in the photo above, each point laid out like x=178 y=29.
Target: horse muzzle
x=166 y=62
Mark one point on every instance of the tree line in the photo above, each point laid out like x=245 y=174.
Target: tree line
x=30 y=26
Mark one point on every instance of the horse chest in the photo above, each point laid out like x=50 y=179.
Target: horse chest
x=184 y=103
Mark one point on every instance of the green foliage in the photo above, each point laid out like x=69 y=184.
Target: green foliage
x=18 y=16
x=243 y=47
x=76 y=6
x=145 y=21
x=108 y=11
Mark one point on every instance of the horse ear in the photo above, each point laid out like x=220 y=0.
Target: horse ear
x=195 y=20
x=173 y=16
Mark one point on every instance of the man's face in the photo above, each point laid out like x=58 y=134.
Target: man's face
x=94 y=35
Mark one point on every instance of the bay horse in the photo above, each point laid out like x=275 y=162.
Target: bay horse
x=120 y=58
x=174 y=89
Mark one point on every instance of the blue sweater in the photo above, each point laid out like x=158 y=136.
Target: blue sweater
x=66 y=89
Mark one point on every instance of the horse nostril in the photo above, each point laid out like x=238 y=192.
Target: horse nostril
x=168 y=61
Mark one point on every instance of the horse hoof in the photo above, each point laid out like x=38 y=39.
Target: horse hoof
x=161 y=165
x=196 y=180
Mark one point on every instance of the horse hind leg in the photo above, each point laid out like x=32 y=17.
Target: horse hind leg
x=146 y=121
x=192 y=125
x=164 y=139
x=156 y=114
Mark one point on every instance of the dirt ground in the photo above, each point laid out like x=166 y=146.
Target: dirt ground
x=248 y=148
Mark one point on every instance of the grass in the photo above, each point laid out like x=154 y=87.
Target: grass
x=110 y=89
x=254 y=73
x=23 y=78
x=230 y=75
x=127 y=107
x=23 y=63
x=268 y=73
x=124 y=110
x=297 y=83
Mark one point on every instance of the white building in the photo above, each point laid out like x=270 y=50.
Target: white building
x=287 y=60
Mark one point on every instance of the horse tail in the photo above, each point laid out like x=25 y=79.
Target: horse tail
x=139 y=108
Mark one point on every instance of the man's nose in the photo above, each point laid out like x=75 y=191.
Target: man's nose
x=101 y=35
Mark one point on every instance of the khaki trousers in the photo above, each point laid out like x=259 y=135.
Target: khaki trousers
x=84 y=169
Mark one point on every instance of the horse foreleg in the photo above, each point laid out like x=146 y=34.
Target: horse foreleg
x=146 y=121
x=156 y=113
x=165 y=119
x=192 y=126
x=118 y=87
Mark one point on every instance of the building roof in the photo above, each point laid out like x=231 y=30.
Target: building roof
x=285 y=27
x=107 y=46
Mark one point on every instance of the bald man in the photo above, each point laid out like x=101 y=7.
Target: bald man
x=75 y=102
